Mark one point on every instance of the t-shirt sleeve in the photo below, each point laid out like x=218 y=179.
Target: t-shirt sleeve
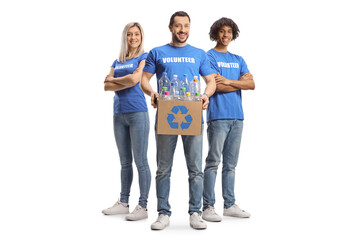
x=114 y=64
x=142 y=57
x=150 y=63
x=213 y=62
x=205 y=68
x=243 y=67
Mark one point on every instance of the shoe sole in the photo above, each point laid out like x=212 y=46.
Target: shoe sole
x=198 y=228
x=211 y=220
x=155 y=228
x=229 y=215
x=115 y=213
x=135 y=219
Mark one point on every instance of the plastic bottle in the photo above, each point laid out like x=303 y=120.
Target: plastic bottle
x=188 y=96
x=195 y=86
x=163 y=93
x=167 y=96
x=164 y=81
x=192 y=88
x=197 y=96
x=185 y=83
x=174 y=87
x=182 y=93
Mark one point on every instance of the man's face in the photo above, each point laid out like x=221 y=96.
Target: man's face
x=225 y=35
x=180 y=29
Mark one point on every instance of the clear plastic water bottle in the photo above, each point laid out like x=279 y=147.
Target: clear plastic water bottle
x=185 y=83
x=182 y=93
x=164 y=81
x=197 y=84
x=164 y=95
x=188 y=96
x=194 y=86
x=162 y=92
x=167 y=96
x=197 y=96
x=174 y=87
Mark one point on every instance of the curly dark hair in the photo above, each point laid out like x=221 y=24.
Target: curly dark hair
x=222 y=22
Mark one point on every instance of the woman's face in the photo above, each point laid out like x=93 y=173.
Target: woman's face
x=134 y=37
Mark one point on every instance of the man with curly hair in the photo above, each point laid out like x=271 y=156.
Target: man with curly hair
x=225 y=119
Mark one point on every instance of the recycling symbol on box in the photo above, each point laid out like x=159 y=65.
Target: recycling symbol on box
x=179 y=110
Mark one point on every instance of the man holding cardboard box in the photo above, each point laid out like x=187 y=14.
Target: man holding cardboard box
x=179 y=58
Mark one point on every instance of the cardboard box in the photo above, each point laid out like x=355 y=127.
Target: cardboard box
x=179 y=117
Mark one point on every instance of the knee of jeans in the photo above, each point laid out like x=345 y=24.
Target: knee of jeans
x=163 y=171
x=126 y=164
x=195 y=172
x=196 y=175
x=142 y=163
x=229 y=167
x=142 y=167
x=212 y=162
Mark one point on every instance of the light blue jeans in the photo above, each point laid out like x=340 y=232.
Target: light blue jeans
x=166 y=145
x=132 y=136
x=224 y=137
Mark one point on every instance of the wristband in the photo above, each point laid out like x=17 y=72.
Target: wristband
x=206 y=94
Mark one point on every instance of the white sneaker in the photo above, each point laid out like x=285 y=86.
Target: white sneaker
x=161 y=222
x=210 y=215
x=118 y=208
x=196 y=221
x=138 y=214
x=235 y=211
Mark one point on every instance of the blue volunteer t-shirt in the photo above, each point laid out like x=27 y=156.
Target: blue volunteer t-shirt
x=177 y=60
x=130 y=99
x=226 y=105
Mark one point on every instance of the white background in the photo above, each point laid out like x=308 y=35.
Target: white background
x=297 y=172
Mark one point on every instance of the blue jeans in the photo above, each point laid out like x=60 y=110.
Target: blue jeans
x=224 y=138
x=166 y=145
x=132 y=136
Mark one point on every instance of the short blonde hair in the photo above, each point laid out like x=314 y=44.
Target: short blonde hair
x=124 y=50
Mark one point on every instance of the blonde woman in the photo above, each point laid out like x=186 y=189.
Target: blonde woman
x=131 y=120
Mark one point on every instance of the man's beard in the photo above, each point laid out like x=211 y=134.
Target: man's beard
x=177 y=40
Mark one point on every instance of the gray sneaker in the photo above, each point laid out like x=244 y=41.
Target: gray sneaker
x=118 y=208
x=196 y=221
x=210 y=215
x=161 y=222
x=235 y=211
x=138 y=214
